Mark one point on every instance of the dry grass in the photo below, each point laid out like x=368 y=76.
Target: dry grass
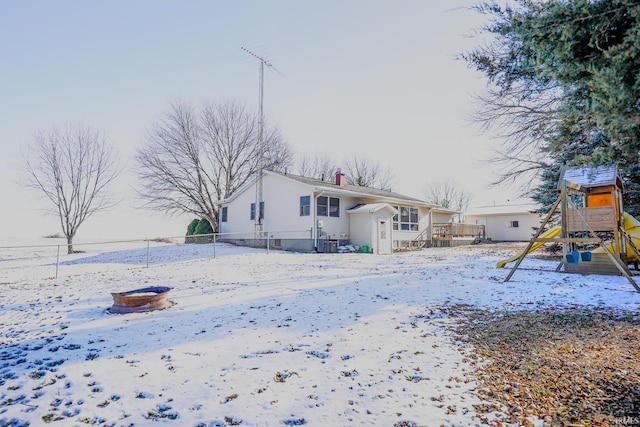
x=567 y=367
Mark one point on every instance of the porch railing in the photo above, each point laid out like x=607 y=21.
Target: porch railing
x=452 y=233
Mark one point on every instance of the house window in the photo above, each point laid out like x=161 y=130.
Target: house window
x=334 y=207
x=512 y=224
x=253 y=211
x=223 y=214
x=305 y=205
x=406 y=219
x=328 y=206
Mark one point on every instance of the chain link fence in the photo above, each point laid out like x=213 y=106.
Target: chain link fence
x=47 y=258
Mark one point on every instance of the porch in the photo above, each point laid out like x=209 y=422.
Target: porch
x=455 y=234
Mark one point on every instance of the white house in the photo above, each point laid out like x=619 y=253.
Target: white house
x=308 y=214
x=506 y=223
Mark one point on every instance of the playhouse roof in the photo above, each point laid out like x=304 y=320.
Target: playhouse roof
x=592 y=176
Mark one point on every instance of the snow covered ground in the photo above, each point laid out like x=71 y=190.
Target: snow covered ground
x=256 y=338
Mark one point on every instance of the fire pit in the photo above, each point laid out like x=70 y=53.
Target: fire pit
x=138 y=300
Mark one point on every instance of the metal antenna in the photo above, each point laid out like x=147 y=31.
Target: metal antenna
x=261 y=159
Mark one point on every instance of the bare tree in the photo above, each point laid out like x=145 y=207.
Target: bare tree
x=358 y=170
x=361 y=171
x=194 y=158
x=523 y=126
x=73 y=168
x=320 y=166
x=447 y=194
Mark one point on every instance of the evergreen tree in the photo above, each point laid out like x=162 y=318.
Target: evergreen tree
x=566 y=81
x=203 y=227
x=191 y=228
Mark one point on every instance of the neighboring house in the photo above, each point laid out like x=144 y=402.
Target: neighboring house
x=506 y=223
x=308 y=214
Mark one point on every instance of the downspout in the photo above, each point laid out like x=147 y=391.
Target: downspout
x=430 y=236
x=315 y=219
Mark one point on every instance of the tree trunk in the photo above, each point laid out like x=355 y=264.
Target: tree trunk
x=69 y=244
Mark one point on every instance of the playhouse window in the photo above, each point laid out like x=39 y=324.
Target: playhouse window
x=223 y=214
x=512 y=224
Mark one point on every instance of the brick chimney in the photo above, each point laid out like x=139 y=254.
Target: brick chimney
x=340 y=179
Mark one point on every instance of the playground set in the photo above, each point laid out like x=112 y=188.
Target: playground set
x=590 y=205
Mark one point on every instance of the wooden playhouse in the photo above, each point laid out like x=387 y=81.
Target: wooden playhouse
x=590 y=203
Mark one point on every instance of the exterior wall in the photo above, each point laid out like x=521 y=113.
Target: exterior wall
x=361 y=229
x=380 y=247
x=402 y=238
x=239 y=224
x=282 y=218
x=364 y=230
x=282 y=208
x=441 y=217
x=497 y=226
x=286 y=229
x=335 y=228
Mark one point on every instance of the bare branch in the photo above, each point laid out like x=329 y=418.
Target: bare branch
x=73 y=168
x=447 y=194
x=194 y=158
x=361 y=171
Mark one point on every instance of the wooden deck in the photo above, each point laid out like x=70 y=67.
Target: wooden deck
x=448 y=234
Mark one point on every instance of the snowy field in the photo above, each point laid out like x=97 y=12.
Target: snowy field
x=256 y=338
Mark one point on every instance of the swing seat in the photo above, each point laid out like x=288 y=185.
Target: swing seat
x=573 y=257
x=585 y=256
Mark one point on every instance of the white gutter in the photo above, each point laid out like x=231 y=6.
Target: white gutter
x=430 y=236
x=315 y=218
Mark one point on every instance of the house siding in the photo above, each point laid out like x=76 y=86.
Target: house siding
x=361 y=229
x=287 y=229
x=365 y=229
x=403 y=238
x=337 y=228
x=239 y=223
x=439 y=217
x=497 y=226
x=282 y=208
x=282 y=218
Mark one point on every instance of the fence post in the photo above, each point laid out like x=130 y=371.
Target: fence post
x=147 y=253
x=267 y=237
x=214 y=246
x=57 y=261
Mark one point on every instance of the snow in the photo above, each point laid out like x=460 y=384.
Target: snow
x=257 y=338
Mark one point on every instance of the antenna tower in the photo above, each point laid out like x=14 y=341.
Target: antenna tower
x=261 y=153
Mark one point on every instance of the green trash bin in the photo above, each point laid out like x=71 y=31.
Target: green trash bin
x=365 y=249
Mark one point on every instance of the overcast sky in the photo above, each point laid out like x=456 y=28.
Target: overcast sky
x=368 y=77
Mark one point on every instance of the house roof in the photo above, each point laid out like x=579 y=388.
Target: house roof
x=371 y=208
x=513 y=209
x=591 y=177
x=353 y=189
x=350 y=190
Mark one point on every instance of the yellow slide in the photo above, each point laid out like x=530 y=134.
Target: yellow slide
x=550 y=233
x=631 y=227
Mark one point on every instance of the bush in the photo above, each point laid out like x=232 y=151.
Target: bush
x=191 y=228
x=199 y=227
x=204 y=227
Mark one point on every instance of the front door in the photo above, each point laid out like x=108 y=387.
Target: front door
x=384 y=236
